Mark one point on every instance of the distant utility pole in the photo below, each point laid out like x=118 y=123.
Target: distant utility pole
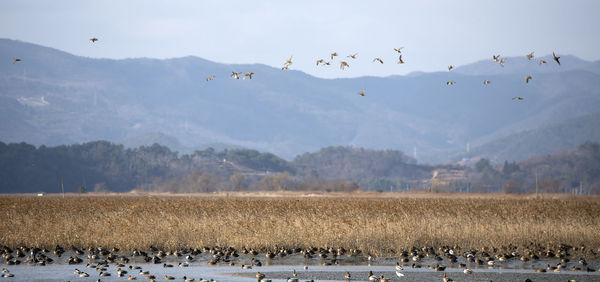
x=62 y=186
x=536 y=184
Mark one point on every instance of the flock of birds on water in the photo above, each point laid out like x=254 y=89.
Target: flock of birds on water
x=344 y=65
x=100 y=260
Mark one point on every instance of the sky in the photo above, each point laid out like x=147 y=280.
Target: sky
x=434 y=34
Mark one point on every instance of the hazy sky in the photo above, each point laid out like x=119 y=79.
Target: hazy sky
x=434 y=34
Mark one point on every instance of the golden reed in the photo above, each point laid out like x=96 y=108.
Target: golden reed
x=372 y=224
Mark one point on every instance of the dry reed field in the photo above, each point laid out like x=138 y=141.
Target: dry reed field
x=371 y=224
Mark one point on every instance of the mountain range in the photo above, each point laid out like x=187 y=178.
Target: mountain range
x=51 y=97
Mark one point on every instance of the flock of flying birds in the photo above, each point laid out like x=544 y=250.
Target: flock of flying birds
x=344 y=65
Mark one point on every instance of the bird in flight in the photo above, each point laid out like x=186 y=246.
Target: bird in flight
x=486 y=82
x=518 y=98
x=399 y=50
x=502 y=62
x=333 y=55
x=542 y=62
x=320 y=61
x=93 y=39
x=400 y=61
x=343 y=64
x=450 y=82
x=556 y=58
x=529 y=56
x=15 y=60
x=327 y=63
x=353 y=56
x=527 y=78
x=362 y=93
x=249 y=75
x=496 y=58
x=235 y=75
x=210 y=78
x=450 y=67
x=378 y=60
x=287 y=63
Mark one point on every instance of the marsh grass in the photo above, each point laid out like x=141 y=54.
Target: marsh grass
x=372 y=224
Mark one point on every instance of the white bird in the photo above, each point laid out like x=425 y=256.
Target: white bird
x=398 y=267
x=467 y=271
x=399 y=274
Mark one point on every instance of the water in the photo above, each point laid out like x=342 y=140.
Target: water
x=279 y=269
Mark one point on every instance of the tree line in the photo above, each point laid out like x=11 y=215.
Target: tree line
x=101 y=166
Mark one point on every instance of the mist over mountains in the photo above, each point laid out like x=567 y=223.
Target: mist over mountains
x=52 y=97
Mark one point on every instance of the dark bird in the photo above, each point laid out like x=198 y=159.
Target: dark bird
x=527 y=78
x=353 y=56
x=450 y=67
x=450 y=83
x=542 y=62
x=486 y=82
x=320 y=61
x=235 y=75
x=362 y=93
x=210 y=78
x=399 y=50
x=400 y=61
x=93 y=39
x=556 y=58
x=333 y=55
x=15 y=60
x=496 y=58
x=518 y=98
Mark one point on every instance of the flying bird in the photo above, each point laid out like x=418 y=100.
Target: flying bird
x=529 y=56
x=362 y=93
x=352 y=56
x=249 y=75
x=527 y=78
x=333 y=55
x=450 y=67
x=542 y=62
x=378 y=60
x=210 y=78
x=450 y=82
x=93 y=39
x=502 y=62
x=486 y=82
x=15 y=60
x=287 y=63
x=556 y=58
x=517 y=98
x=235 y=75
x=320 y=61
x=496 y=58
x=343 y=64
x=400 y=61
x=327 y=63
x=399 y=50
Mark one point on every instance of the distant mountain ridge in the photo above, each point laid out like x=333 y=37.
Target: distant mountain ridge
x=52 y=97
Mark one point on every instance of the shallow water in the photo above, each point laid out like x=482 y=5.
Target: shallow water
x=278 y=269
